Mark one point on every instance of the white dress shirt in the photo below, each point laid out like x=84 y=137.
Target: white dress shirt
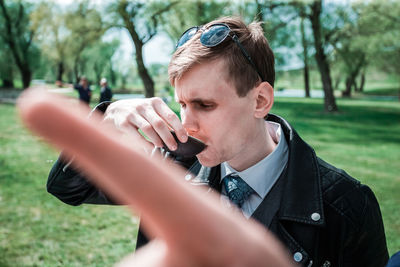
x=262 y=175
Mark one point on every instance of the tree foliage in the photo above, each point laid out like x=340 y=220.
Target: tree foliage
x=98 y=58
x=16 y=32
x=86 y=27
x=379 y=24
x=186 y=14
x=62 y=42
x=141 y=19
x=50 y=23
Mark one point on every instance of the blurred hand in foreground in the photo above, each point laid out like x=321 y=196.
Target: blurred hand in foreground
x=189 y=227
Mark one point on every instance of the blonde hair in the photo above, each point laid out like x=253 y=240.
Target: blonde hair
x=239 y=70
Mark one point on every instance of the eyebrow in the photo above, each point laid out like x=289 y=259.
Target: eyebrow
x=198 y=100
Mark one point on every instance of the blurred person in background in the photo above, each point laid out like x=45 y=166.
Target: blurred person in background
x=83 y=88
x=105 y=91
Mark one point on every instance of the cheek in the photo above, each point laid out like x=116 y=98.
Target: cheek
x=223 y=128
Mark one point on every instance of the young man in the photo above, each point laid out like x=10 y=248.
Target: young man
x=223 y=74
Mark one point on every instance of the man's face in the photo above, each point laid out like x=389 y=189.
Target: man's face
x=212 y=111
x=83 y=82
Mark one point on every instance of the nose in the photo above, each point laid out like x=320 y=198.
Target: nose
x=189 y=121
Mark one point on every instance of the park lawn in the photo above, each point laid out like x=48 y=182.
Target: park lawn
x=38 y=230
x=363 y=139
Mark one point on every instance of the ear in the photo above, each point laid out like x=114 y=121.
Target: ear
x=264 y=99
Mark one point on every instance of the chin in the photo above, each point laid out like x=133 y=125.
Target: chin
x=206 y=161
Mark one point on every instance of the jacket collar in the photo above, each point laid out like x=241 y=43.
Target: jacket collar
x=302 y=192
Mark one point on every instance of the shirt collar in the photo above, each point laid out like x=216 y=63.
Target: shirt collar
x=263 y=175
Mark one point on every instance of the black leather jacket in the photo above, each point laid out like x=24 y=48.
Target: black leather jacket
x=325 y=217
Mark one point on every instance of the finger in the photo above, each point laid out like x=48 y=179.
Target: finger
x=147 y=146
x=154 y=124
x=171 y=118
x=145 y=126
x=151 y=255
x=128 y=128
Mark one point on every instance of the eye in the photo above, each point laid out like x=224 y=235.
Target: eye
x=183 y=105
x=206 y=106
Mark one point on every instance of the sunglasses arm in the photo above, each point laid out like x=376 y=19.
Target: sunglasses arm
x=236 y=40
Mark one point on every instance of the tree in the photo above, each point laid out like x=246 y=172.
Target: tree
x=98 y=58
x=50 y=21
x=305 y=57
x=15 y=31
x=350 y=47
x=279 y=26
x=86 y=27
x=141 y=19
x=187 y=14
x=6 y=66
x=321 y=56
x=379 y=23
x=301 y=8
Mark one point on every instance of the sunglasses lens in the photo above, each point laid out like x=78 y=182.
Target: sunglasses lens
x=214 y=35
x=186 y=36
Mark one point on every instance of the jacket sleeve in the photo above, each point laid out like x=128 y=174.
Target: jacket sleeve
x=71 y=186
x=368 y=247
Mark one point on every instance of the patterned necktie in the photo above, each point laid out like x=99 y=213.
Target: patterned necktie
x=237 y=189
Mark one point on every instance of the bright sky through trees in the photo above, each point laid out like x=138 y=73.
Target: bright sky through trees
x=157 y=50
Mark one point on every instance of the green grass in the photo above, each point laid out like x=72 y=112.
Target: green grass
x=377 y=83
x=36 y=229
x=363 y=139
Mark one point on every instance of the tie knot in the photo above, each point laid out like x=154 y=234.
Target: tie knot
x=236 y=189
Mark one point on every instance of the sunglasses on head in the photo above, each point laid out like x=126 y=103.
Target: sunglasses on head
x=213 y=36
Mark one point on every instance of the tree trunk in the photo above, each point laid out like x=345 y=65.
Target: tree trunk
x=355 y=86
x=113 y=77
x=19 y=50
x=306 y=79
x=305 y=56
x=144 y=74
x=129 y=23
x=320 y=56
x=60 y=71
x=347 y=91
x=362 y=83
x=8 y=77
x=26 y=74
x=98 y=70
x=76 y=70
x=399 y=93
x=351 y=82
x=7 y=83
x=336 y=83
